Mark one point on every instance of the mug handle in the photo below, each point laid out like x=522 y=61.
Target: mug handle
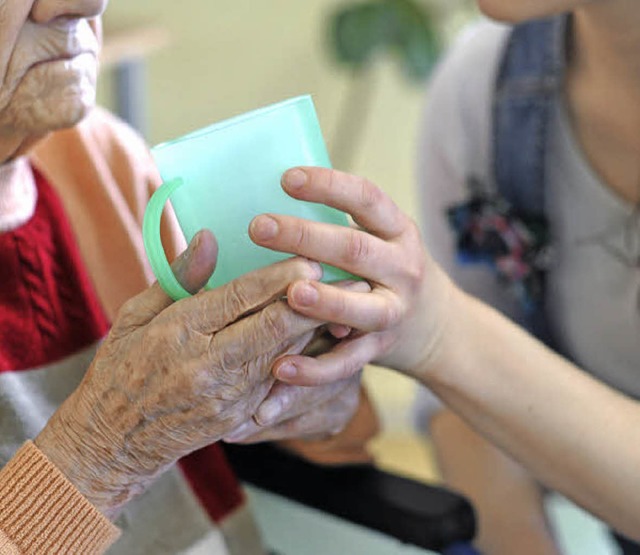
x=153 y=241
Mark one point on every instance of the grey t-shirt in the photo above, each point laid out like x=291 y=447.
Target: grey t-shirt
x=594 y=285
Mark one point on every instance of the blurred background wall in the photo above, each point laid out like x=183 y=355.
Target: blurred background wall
x=224 y=57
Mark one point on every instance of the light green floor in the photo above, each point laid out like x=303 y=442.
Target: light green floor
x=578 y=532
x=289 y=528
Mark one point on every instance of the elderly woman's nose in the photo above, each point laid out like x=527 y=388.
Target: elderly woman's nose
x=44 y=11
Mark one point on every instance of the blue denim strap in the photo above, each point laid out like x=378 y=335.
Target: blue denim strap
x=530 y=75
x=503 y=223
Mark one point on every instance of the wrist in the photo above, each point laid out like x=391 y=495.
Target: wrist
x=449 y=306
x=450 y=341
x=90 y=466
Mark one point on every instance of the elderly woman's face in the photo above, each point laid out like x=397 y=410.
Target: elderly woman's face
x=48 y=63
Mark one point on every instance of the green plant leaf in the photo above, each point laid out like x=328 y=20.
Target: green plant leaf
x=417 y=41
x=359 y=30
x=370 y=27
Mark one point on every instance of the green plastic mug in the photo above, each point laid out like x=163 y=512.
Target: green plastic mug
x=222 y=176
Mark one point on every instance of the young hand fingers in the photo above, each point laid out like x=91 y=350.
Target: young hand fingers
x=344 y=360
x=353 y=250
x=368 y=205
x=373 y=311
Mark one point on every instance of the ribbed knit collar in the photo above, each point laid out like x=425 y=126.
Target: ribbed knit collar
x=18 y=194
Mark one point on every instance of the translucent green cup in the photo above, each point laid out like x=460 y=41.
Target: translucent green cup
x=222 y=176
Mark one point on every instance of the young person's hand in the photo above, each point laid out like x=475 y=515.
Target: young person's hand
x=398 y=323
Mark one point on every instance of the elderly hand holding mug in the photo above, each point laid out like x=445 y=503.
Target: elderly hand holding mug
x=105 y=382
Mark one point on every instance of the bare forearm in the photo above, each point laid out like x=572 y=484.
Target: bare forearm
x=563 y=425
x=509 y=502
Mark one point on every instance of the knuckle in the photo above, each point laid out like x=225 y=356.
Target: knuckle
x=236 y=299
x=333 y=180
x=357 y=247
x=389 y=317
x=274 y=319
x=415 y=269
x=370 y=195
x=224 y=360
x=415 y=273
x=300 y=237
x=127 y=311
x=129 y=316
x=345 y=369
x=220 y=413
x=160 y=340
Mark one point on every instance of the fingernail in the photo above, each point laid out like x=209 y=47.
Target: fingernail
x=286 y=371
x=295 y=179
x=264 y=228
x=238 y=434
x=305 y=294
x=269 y=412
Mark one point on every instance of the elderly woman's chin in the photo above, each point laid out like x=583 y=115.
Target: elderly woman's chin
x=51 y=98
x=60 y=110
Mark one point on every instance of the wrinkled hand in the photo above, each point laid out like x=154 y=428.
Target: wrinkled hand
x=315 y=413
x=292 y=411
x=399 y=323
x=171 y=378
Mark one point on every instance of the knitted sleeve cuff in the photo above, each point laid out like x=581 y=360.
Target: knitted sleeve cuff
x=7 y=547
x=42 y=512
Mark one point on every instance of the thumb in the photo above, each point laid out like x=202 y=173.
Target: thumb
x=192 y=268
